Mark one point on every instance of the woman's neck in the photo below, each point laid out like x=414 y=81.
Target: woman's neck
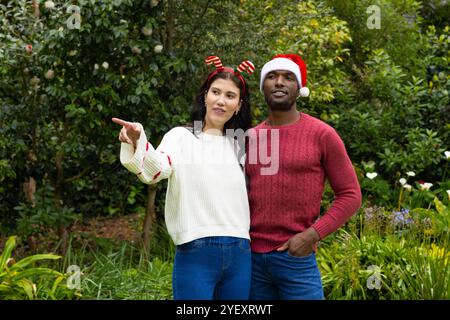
x=213 y=130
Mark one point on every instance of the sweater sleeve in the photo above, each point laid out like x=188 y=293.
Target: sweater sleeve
x=150 y=165
x=344 y=182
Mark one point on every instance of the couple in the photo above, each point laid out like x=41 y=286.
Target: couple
x=213 y=207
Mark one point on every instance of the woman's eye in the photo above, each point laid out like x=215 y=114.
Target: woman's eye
x=230 y=96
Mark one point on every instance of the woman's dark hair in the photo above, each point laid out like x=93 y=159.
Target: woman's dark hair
x=243 y=120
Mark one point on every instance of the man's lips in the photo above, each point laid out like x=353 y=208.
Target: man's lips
x=279 y=93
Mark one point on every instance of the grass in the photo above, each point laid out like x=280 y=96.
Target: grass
x=112 y=271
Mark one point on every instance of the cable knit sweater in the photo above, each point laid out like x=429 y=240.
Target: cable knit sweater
x=206 y=193
x=288 y=202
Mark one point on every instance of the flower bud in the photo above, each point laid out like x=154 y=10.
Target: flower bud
x=34 y=81
x=50 y=74
x=136 y=50
x=49 y=4
x=146 y=31
x=158 y=48
x=29 y=48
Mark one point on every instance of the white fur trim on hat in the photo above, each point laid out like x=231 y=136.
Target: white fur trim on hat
x=304 y=92
x=280 y=64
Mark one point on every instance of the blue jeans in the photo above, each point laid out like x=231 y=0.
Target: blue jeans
x=212 y=268
x=279 y=275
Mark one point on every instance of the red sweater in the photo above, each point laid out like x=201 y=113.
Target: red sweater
x=288 y=202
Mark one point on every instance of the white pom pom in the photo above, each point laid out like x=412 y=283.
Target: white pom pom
x=304 y=92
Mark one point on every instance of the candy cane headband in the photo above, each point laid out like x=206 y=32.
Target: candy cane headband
x=245 y=65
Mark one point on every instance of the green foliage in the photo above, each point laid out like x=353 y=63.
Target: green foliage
x=439 y=218
x=23 y=280
x=58 y=129
x=43 y=215
x=405 y=269
x=397 y=33
x=123 y=273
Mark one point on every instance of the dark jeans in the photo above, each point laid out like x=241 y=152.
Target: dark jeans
x=279 y=275
x=212 y=268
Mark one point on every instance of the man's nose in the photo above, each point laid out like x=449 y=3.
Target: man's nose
x=279 y=80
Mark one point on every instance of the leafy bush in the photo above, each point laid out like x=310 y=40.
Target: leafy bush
x=24 y=280
x=374 y=267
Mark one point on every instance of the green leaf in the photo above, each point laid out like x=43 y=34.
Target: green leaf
x=28 y=287
x=9 y=246
x=440 y=207
x=37 y=272
x=26 y=261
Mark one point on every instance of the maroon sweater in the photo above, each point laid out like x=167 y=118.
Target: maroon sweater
x=288 y=202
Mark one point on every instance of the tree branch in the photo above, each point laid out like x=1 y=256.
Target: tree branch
x=79 y=175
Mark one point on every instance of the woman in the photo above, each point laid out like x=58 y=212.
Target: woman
x=206 y=211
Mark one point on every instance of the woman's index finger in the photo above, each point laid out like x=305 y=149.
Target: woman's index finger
x=121 y=122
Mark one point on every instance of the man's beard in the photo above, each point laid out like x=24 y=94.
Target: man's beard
x=283 y=105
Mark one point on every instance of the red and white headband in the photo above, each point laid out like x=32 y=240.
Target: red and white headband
x=245 y=66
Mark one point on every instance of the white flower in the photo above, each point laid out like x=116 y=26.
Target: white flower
x=50 y=74
x=72 y=53
x=425 y=186
x=448 y=192
x=105 y=65
x=96 y=66
x=371 y=175
x=402 y=181
x=146 y=31
x=410 y=173
x=447 y=154
x=35 y=81
x=154 y=3
x=407 y=187
x=158 y=48
x=136 y=50
x=49 y=4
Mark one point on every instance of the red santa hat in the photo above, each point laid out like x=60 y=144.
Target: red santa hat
x=288 y=62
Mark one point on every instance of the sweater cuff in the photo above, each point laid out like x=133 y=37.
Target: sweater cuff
x=321 y=228
x=130 y=158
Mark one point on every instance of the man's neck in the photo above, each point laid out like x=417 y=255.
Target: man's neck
x=280 y=118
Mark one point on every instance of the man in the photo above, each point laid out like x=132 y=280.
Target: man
x=285 y=206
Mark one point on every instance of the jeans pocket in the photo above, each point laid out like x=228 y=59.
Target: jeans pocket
x=189 y=247
x=244 y=245
x=308 y=256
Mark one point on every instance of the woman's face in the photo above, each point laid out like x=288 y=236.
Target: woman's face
x=222 y=101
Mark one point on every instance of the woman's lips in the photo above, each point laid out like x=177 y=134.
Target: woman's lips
x=218 y=111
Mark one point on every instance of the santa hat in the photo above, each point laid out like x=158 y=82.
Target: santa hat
x=288 y=62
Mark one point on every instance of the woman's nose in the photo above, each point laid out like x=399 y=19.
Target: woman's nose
x=221 y=100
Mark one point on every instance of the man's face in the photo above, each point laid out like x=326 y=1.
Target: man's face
x=280 y=89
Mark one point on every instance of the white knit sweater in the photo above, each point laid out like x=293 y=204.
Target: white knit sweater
x=206 y=194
